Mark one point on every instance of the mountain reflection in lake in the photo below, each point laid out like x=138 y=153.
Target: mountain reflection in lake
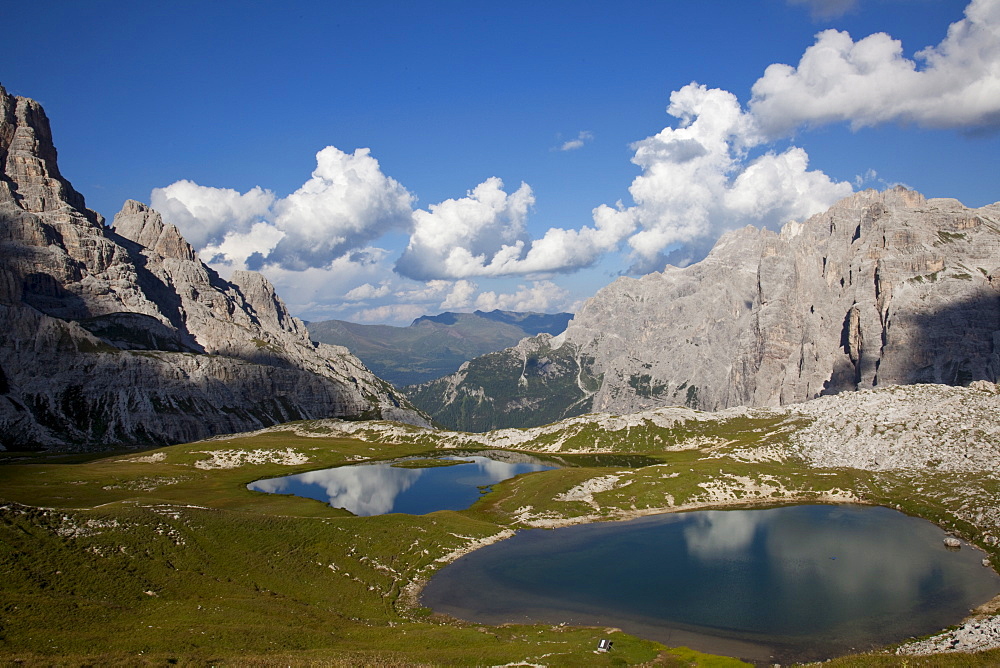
x=792 y=583
x=393 y=487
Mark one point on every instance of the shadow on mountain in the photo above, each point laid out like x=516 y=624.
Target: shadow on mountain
x=43 y=292
x=954 y=345
x=137 y=331
x=163 y=295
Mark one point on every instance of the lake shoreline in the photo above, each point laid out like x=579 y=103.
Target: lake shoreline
x=977 y=631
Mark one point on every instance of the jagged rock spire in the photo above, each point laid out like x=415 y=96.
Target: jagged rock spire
x=141 y=224
x=123 y=336
x=31 y=177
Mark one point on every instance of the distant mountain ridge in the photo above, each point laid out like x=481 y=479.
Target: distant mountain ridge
x=539 y=381
x=885 y=288
x=434 y=345
x=120 y=337
x=530 y=323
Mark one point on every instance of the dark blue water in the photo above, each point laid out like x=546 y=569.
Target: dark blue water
x=791 y=583
x=380 y=488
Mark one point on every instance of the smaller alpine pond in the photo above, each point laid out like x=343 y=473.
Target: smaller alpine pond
x=795 y=583
x=415 y=485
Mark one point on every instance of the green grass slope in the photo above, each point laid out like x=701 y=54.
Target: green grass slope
x=157 y=562
x=154 y=559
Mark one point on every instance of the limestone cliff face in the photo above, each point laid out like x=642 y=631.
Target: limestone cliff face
x=121 y=336
x=31 y=177
x=883 y=289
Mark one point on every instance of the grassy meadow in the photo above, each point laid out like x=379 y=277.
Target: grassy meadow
x=147 y=559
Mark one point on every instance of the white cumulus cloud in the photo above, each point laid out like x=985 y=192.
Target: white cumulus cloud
x=399 y=313
x=483 y=234
x=955 y=84
x=540 y=296
x=206 y=215
x=476 y=235
x=697 y=180
x=429 y=290
x=320 y=292
x=461 y=295
x=236 y=247
x=368 y=291
x=346 y=203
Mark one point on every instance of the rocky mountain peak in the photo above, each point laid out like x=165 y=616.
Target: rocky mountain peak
x=31 y=177
x=141 y=224
x=897 y=197
x=261 y=296
x=121 y=336
x=884 y=288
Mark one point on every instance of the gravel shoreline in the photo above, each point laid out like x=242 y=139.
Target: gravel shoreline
x=975 y=635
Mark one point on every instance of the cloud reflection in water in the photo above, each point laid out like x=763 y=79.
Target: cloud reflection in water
x=363 y=490
x=717 y=534
x=853 y=564
x=376 y=489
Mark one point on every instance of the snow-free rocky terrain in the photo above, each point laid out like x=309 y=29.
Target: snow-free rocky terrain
x=121 y=336
x=884 y=288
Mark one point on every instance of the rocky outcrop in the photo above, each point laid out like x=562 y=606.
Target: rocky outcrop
x=143 y=226
x=540 y=380
x=120 y=336
x=885 y=288
x=31 y=177
x=912 y=427
x=976 y=635
x=434 y=346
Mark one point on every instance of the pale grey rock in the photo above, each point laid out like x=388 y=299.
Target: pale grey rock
x=985 y=386
x=122 y=336
x=137 y=222
x=975 y=635
x=260 y=295
x=660 y=339
x=946 y=429
x=31 y=177
x=885 y=288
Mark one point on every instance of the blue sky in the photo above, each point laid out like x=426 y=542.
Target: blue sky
x=380 y=160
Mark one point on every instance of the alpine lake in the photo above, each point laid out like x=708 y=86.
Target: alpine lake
x=791 y=583
x=421 y=485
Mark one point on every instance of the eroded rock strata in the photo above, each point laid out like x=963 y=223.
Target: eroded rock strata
x=885 y=288
x=120 y=336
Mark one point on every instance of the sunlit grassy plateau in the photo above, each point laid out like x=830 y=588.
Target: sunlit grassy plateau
x=146 y=559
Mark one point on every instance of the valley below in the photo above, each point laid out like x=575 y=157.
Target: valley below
x=165 y=557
